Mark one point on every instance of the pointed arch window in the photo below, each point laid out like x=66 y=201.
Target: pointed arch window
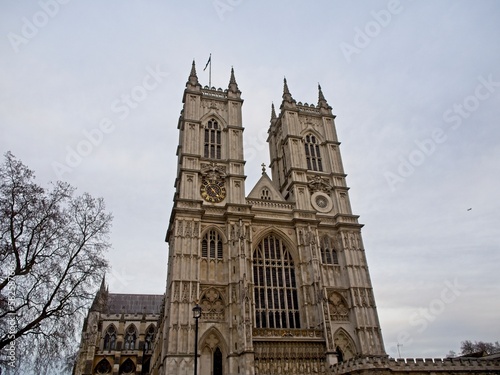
x=275 y=289
x=103 y=367
x=313 y=154
x=130 y=337
x=110 y=338
x=213 y=135
x=150 y=338
x=211 y=245
x=328 y=252
x=127 y=367
x=265 y=194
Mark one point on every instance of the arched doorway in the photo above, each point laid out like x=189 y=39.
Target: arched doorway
x=217 y=362
x=211 y=361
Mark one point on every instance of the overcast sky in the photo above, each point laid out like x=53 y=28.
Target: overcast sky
x=415 y=86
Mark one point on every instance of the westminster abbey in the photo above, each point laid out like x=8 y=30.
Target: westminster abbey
x=280 y=273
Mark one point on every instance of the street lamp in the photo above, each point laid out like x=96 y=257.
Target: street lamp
x=196 y=315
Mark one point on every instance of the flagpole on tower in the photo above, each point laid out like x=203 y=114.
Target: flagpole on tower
x=209 y=64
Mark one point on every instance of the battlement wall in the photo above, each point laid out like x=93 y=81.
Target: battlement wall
x=370 y=365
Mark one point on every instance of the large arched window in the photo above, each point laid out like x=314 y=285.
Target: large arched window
x=212 y=147
x=313 y=155
x=110 y=338
x=275 y=290
x=211 y=245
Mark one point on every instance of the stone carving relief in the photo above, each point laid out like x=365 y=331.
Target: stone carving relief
x=212 y=341
x=302 y=240
x=233 y=294
x=363 y=297
x=185 y=293
x=339 y=311
x=344 y=342
x=188 y=231
x=179 y=227
x=212 y=304
x=176 y=292
x=292 y=358
x=318 y=183
x=212 y=171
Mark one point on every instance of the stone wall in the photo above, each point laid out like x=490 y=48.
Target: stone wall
x=416 y=366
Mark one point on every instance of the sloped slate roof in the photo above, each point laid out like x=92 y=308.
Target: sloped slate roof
x=134 y=303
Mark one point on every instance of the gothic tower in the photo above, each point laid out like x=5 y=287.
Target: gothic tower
x=280 y=274
x=307 y=169
x=204 y=253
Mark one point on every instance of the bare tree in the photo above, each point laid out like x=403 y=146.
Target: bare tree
x=469 y=347
x=51 y=254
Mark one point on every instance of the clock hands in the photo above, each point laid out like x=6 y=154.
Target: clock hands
x=213 y=191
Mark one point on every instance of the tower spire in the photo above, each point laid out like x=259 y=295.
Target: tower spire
x=288 y=101
x=322 y=103
x=320 y=94
x=101 y=296
x=273 y=112
x=233 y=86
x=286 y=93
x=193 y=77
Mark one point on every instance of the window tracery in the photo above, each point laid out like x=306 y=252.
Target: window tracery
x=212 y=305
x=328 y=253
x=345 y=345
x=275 y=290
x=130 y=337
x=211 y=245
x=212 y=145
x=339 y=311
x=110 y=338
x=313 y=155
x=150 y=338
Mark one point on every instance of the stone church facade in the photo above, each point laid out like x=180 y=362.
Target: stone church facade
x=280 y=273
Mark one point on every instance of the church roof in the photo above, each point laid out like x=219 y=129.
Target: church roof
x=134 y=303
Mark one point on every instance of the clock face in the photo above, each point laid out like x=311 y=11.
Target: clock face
x=213 y=191
x=321 y=202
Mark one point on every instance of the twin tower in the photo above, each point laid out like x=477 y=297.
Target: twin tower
x=280 y=273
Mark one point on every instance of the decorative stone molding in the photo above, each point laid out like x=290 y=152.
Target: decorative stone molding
x=317 y=183
x=338 y=307
x=281 y=333
x=212 y=304
x=344 y=342
x=212 y=171
x=292 y=358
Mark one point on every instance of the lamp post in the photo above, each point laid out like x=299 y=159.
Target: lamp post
x=196 y=316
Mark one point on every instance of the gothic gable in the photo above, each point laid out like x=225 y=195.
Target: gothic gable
x=264 y=189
